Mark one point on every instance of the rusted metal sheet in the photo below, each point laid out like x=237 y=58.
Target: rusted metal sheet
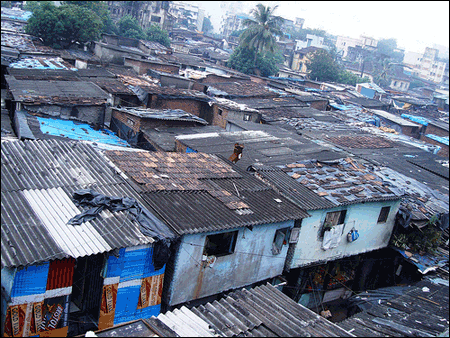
x=60 y=274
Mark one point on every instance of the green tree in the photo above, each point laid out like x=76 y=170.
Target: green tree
x=322 y=66
x=207 y=25
x=265 y=65
x=261 y=30
x=129 y=27
x=346 y=77
x=155 y=33
x=64 y=26
x=101 y=9
x=31 y=5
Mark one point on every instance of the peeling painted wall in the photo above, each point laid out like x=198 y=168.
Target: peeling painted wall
x=363 y=217
x=252 y=261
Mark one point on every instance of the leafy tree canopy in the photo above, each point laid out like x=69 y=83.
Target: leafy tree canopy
x=101 y=9
x=64 y=26
x=129 y=27
x=155 y=33
x=262 y=29
x=322 y=66
x=243 y=58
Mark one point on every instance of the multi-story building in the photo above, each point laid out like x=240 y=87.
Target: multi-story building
x=190 y=14
x=299 y=23
x=343 y=44
x=427 y=65
x=232 y=22
x=311 y=40
x=146 y=12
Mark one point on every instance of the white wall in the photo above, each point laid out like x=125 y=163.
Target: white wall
x=314 y=41
x=363 y=217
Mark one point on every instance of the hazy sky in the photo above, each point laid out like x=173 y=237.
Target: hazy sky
x=414 y=24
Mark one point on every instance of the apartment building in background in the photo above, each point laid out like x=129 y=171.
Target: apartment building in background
x=146 y=12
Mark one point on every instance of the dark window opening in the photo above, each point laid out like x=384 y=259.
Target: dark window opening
x=332 y=219
x=155 y=19
x=384 y=213
x=247 y=117
x=220 y=112
x=221 y=244
x=280 y=239
x=74 y=112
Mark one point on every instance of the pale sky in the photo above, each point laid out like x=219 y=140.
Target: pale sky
x=414 y=24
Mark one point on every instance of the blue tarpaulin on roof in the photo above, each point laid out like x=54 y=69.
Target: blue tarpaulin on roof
x=340 y=106
x=441 y=139
x=418 y=119
x=425 y=263
x=79 y=131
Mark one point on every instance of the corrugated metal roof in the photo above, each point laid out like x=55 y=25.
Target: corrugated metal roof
x=240 y=89
x=258 y=312
x=162 y=114
x=38 y=180
x=174 y=183
x=420 y=311
x=195 y=212
x=274 y=102
x=54 y=92
x=55 y=208
x=43 y=74
x=292 y=189
x=343 y=182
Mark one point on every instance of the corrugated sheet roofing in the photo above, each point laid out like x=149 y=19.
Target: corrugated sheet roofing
x=187 y=190
x=43 y=74
x=265 y=144
x=262 y=311
x=273 y=102
x=421 y=311
x=56 y=92
x=292 y=189
x=162 y=114
x=343 y=182
x=38 y=180
x=240 y=89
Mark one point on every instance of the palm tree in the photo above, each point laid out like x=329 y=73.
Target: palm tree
x=261 y=31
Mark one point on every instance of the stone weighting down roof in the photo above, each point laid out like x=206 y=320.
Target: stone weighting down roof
x=342 y=182
x=197 y=192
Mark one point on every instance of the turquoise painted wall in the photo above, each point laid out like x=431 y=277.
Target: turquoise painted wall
x=363 y=217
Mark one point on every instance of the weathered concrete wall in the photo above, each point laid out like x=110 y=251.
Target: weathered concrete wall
x=93 y=115
x=319 y=105
x=435 y=130
x=142 y=66
x=251 y=261
x=363 y=217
